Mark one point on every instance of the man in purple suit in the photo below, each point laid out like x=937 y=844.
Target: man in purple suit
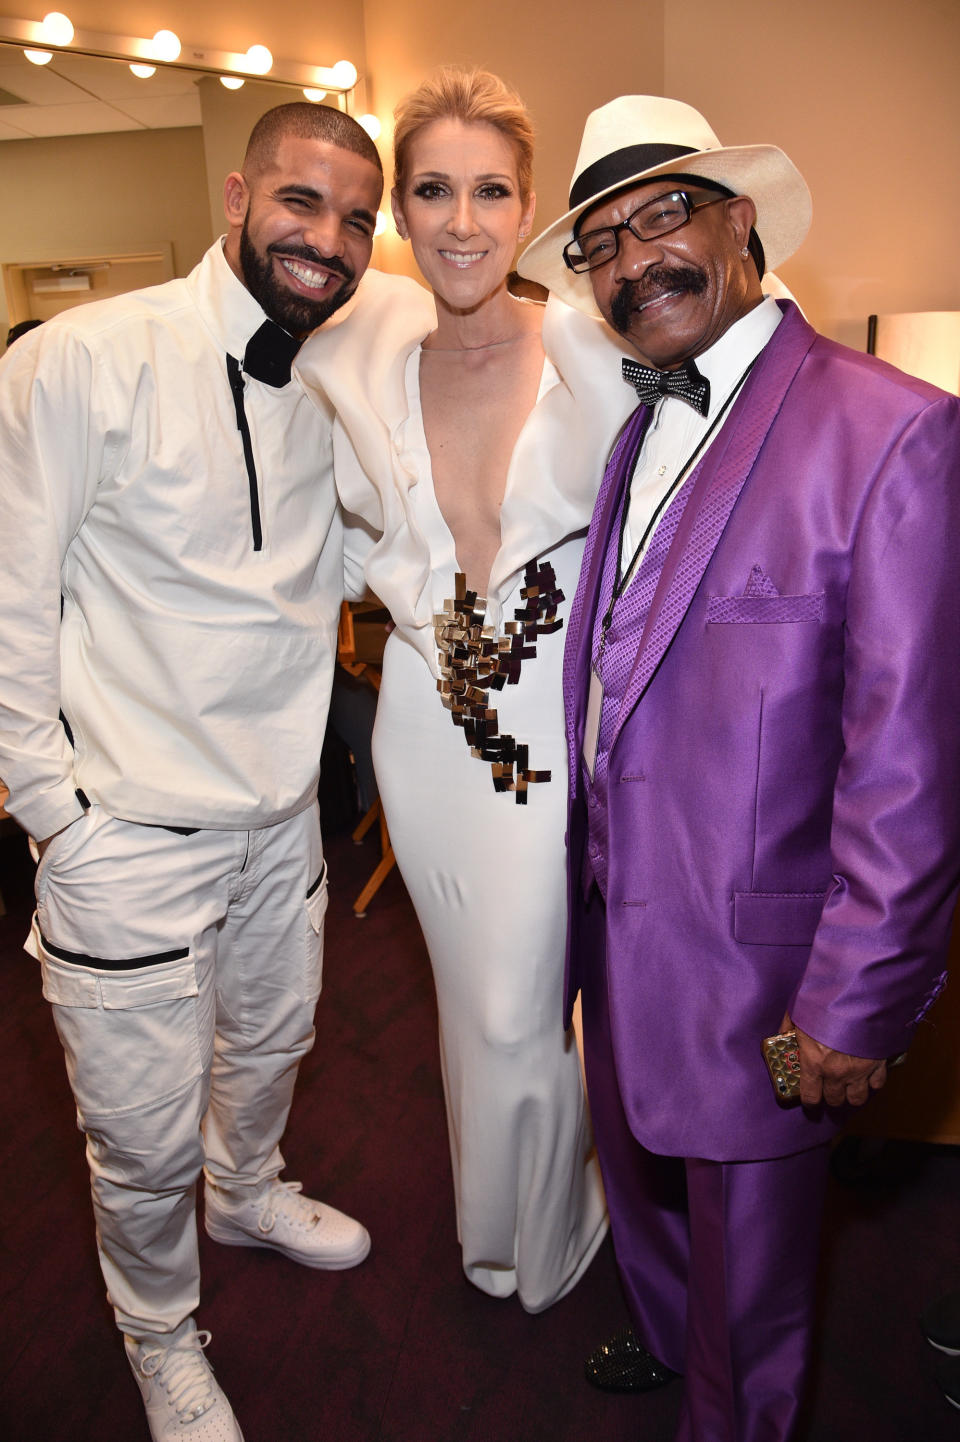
x=763 y=692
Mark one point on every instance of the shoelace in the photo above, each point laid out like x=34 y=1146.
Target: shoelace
x=184 y=1375
x=284 y=1200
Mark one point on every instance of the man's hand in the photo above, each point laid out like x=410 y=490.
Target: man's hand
x=834 y=1076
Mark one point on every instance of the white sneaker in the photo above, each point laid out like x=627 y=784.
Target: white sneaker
x=282 y=1219
x=179 y=1391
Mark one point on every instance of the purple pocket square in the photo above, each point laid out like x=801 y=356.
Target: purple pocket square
x=759 y=583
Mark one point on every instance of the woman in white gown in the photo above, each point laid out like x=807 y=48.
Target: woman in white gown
x=460 y=448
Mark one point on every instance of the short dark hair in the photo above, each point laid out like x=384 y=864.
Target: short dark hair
x=305 y=122
x=21 y=328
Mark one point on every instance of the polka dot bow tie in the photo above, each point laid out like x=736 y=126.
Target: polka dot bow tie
x=686 y=383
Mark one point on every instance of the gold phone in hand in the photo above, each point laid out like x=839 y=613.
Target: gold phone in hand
x=782 y=1056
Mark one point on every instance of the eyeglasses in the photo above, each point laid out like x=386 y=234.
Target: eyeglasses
x=649 y=222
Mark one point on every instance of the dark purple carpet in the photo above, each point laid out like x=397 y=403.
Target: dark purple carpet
x=402 y=1349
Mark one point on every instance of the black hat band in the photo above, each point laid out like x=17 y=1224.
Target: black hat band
x=611 y=170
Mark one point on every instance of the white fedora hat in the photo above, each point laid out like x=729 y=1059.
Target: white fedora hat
x=638 y=137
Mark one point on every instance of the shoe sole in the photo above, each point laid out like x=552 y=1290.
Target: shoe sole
x=232 y=1237
x=949 y=1351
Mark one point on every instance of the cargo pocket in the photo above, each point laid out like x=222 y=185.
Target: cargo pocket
x=316 y=909
x=131 y=1037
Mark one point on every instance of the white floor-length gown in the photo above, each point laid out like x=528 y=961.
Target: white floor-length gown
x=486 y=874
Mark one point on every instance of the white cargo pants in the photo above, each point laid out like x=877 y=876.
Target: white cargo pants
x=184 y=972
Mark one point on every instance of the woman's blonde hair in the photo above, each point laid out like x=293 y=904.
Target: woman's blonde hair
x=471 y=96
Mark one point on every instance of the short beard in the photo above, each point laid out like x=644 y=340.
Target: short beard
x=294 y=313
x=658 y=281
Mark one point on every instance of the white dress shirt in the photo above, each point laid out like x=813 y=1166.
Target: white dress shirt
x=677 y=429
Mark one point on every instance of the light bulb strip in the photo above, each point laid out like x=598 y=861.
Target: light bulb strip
x=192 y=57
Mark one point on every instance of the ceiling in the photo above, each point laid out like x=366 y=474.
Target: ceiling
x=80 y=95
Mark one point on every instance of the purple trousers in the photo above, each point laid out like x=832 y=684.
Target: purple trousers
x=718 y=1259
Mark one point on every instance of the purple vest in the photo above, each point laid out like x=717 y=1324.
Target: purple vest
x=624 y=636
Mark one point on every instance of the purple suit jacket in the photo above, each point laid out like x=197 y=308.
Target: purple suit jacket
x=784 y=784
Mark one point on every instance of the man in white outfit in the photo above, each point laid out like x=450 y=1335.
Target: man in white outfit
x=161 y=727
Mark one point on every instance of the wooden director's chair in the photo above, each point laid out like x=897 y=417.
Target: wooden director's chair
x=360 y=655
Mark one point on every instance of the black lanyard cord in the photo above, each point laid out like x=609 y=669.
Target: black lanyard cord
x=622 y=578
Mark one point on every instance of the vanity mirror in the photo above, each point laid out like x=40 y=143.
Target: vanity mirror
x=116 y=180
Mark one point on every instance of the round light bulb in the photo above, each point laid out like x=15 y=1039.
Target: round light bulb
x=259 y=59
x=313 y=95
x=231 y=82
x=381 y=224
x=143 y=72
x=166 y=45
x=39 y=57
x=370 y=124
x=344 y=75
x=57 y=28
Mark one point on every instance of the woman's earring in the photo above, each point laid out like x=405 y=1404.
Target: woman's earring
x=744 y=252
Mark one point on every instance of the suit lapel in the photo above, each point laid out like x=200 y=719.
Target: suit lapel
x=717 y=482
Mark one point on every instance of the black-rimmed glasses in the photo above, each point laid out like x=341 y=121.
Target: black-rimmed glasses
x=648 y=222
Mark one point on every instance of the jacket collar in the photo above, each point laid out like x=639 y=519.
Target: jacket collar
x=719 y=479
x=226 y=307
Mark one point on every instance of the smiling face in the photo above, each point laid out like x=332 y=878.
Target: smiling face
x=461 y=209
x=301 y=230
x=673 y=297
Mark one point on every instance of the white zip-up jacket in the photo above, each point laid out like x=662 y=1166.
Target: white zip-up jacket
x=194 y=671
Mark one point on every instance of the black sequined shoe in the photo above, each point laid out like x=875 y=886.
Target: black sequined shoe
x=623 y=1365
